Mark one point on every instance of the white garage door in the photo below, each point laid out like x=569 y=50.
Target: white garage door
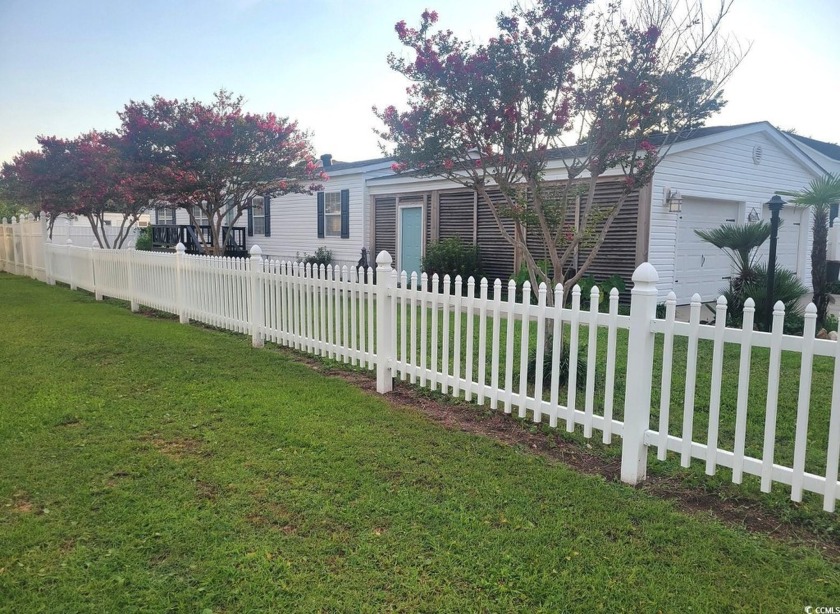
x=788 y=252
x=701 y=267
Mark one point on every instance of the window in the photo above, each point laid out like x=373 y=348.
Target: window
x=200 y=216
x=165 y=216
x=334 y=214
x=258 y=215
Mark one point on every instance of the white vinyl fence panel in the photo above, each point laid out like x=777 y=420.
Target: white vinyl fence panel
x=475 y=341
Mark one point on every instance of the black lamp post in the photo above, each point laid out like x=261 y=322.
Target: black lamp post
x=775 y=205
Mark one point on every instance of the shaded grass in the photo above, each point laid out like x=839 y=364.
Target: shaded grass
x=149 y=465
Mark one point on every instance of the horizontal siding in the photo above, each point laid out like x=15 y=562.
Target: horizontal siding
x=617 y=255
x=496 y=252
x=722 y=171
x=385 y=219
x=457 y=215
x=294 y=229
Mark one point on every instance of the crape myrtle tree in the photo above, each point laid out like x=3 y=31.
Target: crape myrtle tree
x=85 y=177
x=616 y=87
x=215 y=158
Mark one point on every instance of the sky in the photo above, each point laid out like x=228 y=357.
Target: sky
x=68 y=66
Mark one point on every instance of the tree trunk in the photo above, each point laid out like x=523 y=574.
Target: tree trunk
x=818 y=261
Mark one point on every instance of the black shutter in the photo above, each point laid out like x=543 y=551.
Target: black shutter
x=267 y=214
x=833 y=212
x=250 y=218
x=345 y=214
x=320 y=215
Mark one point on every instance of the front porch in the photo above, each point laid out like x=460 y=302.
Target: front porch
x=167 y=236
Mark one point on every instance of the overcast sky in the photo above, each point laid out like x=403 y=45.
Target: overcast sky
x=67 y=66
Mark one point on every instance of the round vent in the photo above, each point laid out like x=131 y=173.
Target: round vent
x=757 y=153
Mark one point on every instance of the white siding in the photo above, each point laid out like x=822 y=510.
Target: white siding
x=722 y=171
x=294 y=224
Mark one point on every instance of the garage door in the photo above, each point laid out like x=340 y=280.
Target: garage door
x=788 y=252
x=701 y=267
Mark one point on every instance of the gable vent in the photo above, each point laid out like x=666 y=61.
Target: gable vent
x=757 y=153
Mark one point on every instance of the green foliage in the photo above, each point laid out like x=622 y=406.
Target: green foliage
x=740 y=242
x=789 y=290
x=820 y=194
x=453 y=257
x=321 y=256
x=144 y=239
x=833 y=287
x=587 y=283
x=563 y=377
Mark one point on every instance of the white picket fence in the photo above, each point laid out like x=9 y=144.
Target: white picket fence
x=477 y=344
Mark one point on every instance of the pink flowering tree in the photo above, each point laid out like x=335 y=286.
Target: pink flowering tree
x=605 y=93
x=215 y=157
x=82 y=177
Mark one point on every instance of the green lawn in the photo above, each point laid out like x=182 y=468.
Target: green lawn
x=819 y=415
x=152 y=466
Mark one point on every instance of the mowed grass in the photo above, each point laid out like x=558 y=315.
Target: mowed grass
x=151 y=466
x=819 y=405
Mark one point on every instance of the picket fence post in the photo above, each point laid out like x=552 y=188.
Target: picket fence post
x=640 y=347
x=70 y=264
x=132 y=292
x=179 y=283
x=46 y=241
x=386 y=323
x=257 y=316
x=97 y=291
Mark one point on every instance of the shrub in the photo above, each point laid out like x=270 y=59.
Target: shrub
x=564 y=367
x=522 y=276
x=789 y=290
x=144 y=239
x=452 y=257
x=321 y=256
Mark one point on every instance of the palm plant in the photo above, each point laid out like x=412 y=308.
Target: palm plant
x=740 y=242
x=820 y=194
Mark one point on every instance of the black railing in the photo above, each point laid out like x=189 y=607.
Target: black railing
x=167 y=236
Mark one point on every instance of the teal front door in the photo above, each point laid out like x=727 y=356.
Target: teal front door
x=411 y=239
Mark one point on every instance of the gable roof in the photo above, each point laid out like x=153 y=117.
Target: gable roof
x=697 y=137
x=343 y=166
x=830 y=150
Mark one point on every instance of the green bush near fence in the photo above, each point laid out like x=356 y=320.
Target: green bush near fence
x=453 y=257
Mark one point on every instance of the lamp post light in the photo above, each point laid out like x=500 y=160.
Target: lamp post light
x=775 y=205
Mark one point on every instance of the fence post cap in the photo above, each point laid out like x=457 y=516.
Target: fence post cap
x=383 y=259
x=69 y=241
x=180 y=248
x=645 y=274
x=94 y=244
x=255 y=251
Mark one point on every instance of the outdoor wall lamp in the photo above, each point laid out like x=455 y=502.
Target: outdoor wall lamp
x=753 y=216
x=673 y=200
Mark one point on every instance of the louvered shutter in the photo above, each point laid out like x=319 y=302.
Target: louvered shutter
x=345 y=214
x=320 y=215
x=267 y=214
x=250 y=218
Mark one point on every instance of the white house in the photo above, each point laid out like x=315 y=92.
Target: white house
x=723 y=174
